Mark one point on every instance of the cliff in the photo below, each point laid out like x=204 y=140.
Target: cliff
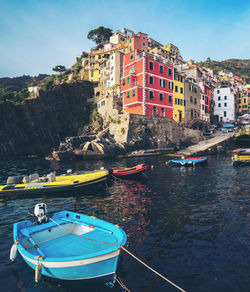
x=34 y=126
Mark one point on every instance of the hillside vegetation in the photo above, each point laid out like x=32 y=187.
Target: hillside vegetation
x=237 y=66
x=10 y=87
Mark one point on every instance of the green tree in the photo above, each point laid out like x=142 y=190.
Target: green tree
x=100 y=34
x=59 y=68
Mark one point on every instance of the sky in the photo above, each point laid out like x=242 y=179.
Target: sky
x=36 y=35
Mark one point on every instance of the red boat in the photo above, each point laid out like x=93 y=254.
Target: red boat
x=129 y=172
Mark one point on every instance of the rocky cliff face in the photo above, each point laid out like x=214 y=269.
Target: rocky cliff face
x=39 y=124
x=127 y=133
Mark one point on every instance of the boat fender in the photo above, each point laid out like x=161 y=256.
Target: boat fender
x=13 y=252
x=38 y=273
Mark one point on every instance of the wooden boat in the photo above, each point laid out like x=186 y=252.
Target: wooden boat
x=242 y=157
x=188 y=161
x=36 y=184
x=69 y=246
x=129 y=172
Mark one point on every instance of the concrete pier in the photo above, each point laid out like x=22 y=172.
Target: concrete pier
x=206 y=144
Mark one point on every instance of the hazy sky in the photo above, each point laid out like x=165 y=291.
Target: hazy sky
x=36 y=35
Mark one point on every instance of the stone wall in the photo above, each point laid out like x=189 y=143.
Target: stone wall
x=39 y=124
x=152 y=132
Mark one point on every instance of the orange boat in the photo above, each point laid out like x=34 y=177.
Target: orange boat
x=129 y=172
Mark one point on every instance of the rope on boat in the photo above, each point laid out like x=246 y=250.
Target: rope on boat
x=123 y=248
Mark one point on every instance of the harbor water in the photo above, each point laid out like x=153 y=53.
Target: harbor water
x=189 y=224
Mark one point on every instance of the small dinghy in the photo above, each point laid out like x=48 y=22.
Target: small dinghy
x=188 y=161
x=35 y=184
x=129 y=172
x=69 y=246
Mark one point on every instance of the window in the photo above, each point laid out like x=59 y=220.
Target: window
x=151 y=80
x=181 y=79
x=162 y=112
x=219 y=105
x=195 y=89
x=176 y=88
x=127 y=94
x=160 y=96
x=162 y=83
x=133 y=93
x=130 y=40
x=225 y=97
x=151 y=94
x=184 y=102
x=103 y=103
x=203 y=106
x=170 y=72
x=225 y=113
x=143 y=44
x=144 y=38
x=218 y=97
x=92 y=73
x=192 y=114
x=155 y=111
x=161 y=69
x=181 y=90
x=123 y=81
x=130 y=48
x=178 y=101
x=170 y=99
x=195 y=100
x=191 y=98
x=151 y=66
x=225 y=104
x=131 y=55
x=128 y=80
x=170 y=85
x=175 y=101
x=218 y=91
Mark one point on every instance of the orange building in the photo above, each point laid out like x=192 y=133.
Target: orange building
x=147 y=84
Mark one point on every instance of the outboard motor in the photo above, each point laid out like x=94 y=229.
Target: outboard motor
x=40 y=212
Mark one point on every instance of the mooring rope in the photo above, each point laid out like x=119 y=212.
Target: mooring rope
x=120 y=246
x=119 y=281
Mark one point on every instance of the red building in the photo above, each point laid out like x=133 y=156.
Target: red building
x=147 y=85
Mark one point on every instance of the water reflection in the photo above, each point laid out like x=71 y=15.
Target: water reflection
x=189 y=223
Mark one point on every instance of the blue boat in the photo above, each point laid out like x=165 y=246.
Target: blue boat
x=188 y=161
x=69 y=246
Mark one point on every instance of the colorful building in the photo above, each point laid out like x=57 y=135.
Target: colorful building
x=179 y=98
x=147 y=85
x=225 y=104
x=192 y=97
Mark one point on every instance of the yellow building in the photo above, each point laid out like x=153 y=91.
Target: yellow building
x=179 y=99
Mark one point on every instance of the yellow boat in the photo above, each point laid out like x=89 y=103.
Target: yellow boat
x=242 y=157
x=36 y=184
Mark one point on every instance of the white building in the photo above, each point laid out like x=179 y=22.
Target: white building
x=225 y=108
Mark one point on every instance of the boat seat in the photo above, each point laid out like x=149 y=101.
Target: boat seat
x=26 y=179
x=33 y=176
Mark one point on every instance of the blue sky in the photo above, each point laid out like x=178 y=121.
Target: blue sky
x=36 y=35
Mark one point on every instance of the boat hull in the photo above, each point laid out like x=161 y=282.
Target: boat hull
x=100 y=271
x=131 y=172
x=188 y=162
x=37 y=188
x=71 y=246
